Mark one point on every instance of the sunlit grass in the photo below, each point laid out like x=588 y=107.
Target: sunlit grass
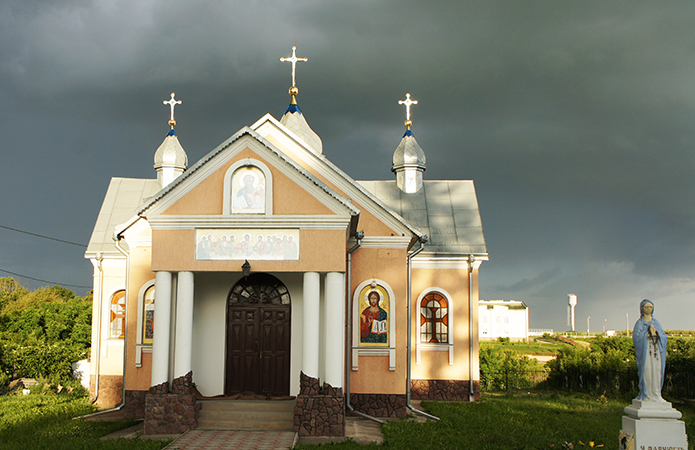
x=535 y=420
x=44 y=421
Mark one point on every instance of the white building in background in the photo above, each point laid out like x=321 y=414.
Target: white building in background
x=502 y=318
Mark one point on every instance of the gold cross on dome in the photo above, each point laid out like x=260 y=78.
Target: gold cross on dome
x=172 y=102
x=293 y=59
x=407 y=102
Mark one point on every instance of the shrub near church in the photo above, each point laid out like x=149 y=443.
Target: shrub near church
x=42 y=332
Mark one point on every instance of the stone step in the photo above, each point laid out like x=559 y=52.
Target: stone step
x=248 y=405
x=247 y=415
x=274 y=425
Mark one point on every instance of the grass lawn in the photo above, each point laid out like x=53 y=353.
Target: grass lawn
x=44 y=421
x=513 y=421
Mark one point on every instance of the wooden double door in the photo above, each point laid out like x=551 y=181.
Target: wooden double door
x=258 y=337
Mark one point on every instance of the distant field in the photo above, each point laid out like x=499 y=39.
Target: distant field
x=537 y=347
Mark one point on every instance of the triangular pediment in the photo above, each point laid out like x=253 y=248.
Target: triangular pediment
x=206 y=192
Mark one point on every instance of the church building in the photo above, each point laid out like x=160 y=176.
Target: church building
x=265 y=271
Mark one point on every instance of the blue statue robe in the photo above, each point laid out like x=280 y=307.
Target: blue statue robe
x=640 y=338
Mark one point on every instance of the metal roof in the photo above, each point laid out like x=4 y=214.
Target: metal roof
x=123 y=197
x=447 y=211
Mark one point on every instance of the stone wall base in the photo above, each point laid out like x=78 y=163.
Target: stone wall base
x=319 y=411
x=134 y=404
x=172 y=412
x=450 y=390
x=380 y=405
x=110 y=390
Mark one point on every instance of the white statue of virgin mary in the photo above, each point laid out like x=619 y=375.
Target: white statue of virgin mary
x=650 y=351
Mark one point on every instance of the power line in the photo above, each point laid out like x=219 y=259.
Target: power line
x=44 y=281
x=42 y=236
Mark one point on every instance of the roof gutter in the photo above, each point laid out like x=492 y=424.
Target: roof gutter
x=471 y=263
x=422 y=241
x=100 y=300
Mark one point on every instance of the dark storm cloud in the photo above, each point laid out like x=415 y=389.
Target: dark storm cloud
x=574 y=119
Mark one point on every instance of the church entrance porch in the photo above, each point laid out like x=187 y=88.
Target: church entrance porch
x=258 y=337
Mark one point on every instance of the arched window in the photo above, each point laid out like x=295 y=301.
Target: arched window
x=434 y=306
x=117 y=315
x=434 y=319
x=261 y=289
x=148 y=316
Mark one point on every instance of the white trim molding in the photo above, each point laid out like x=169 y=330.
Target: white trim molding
x=139 y=346
x=426 y=346
x=390 y=349
x=446 y=262
x=386 y=242
x=182 y=222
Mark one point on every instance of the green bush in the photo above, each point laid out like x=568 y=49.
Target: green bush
x=42 y=332
x=608 y=365
x=506 y=370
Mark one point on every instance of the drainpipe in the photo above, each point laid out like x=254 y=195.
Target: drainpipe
x=117 y=240
x=100 y=300
x=422 y=241
x=471 y=261
x=348 y=322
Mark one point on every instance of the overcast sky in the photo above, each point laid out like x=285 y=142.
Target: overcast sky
x=576 y=120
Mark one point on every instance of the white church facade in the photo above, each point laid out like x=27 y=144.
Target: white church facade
x=265 y=270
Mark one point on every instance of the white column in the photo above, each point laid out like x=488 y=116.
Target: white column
x=184 y=325
x=335 y=328
x=310 y=336
x=162 y=328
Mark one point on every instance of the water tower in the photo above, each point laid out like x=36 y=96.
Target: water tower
x=572 y=302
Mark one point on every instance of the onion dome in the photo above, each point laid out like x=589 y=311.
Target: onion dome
x=409 y=161
x=170 y=159
x=294 y=120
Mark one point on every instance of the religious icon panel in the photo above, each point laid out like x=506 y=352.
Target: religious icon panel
x=374 y=311
x=248 y=191
x=247 y=244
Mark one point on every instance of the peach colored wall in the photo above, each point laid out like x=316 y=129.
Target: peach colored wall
x=374 y=375
x=434 y=365
x=319 y=250
x=207 y=197
x=140 y=273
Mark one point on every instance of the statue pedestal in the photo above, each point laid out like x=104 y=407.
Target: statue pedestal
x=652 y=426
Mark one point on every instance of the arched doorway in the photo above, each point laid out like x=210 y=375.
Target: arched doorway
x=258 y=337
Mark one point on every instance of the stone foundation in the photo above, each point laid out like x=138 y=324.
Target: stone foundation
x=380 y=405
x=172 y=412
x=452 y=390
x=319 y=411
x=134 y=404
x=110 y=390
